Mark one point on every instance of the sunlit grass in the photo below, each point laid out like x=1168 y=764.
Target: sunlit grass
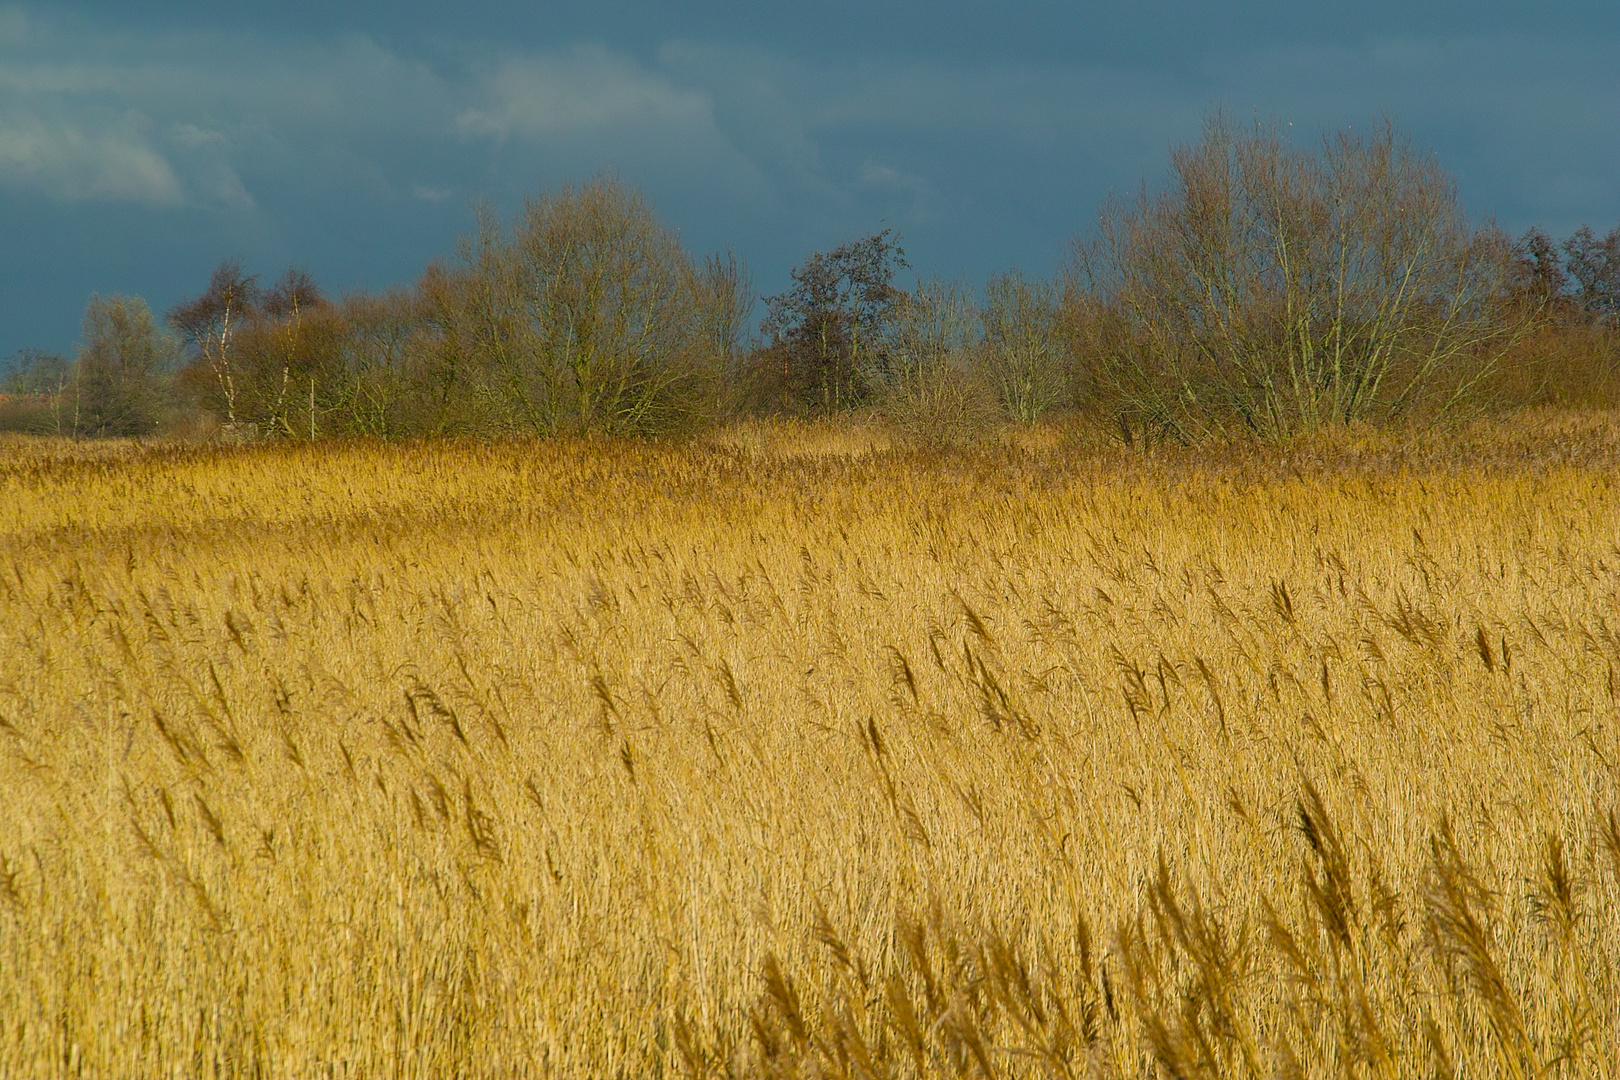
x=798 y=752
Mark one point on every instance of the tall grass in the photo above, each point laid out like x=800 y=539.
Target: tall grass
x=791 y=753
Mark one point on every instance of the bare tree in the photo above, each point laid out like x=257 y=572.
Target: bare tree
x=209 y=325
x=725 y=293
x=1275 y=290
x=283 y=313
x=34 y=372
x=1537 y=273
x=117 y=384
x=828 y=331
x=937 y=324
x=1022 y=348
x=381 y=387
x=1594 y=263
x=588 y=316
x=931 y=387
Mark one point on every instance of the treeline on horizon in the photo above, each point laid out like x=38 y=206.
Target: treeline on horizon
x=1265 y=291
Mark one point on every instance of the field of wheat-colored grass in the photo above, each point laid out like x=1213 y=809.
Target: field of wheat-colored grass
x=795 y=752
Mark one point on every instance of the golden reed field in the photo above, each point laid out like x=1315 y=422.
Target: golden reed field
x=794 y=753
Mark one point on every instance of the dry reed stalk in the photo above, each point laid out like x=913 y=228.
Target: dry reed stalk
x=796 y=754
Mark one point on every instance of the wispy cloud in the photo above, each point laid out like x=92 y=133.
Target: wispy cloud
x=178 y=119
x=587 y=89
x=76 y=159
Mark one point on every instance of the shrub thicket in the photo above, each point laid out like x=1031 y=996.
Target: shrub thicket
x=1273 y=290
x=588 y=315
x=933 y=386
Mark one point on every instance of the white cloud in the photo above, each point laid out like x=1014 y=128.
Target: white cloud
x=584 y=90
x=192 y=135
x=221 y=184
x=232 y=112
x=71 y=164
x=182 y=119
x=63 y=136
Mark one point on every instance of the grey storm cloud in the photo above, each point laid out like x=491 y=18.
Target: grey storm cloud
x=165 y=118
x=134 y=155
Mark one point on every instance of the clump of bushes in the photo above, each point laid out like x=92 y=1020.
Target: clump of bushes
x=1274 y=290
x=1568 y=294
x=935 y=362
x=585 y=315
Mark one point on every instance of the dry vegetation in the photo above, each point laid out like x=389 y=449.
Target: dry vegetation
x=793 y=753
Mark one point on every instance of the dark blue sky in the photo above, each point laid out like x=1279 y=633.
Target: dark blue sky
x=142 y=143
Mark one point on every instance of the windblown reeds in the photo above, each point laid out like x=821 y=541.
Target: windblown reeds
x=786 y=754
